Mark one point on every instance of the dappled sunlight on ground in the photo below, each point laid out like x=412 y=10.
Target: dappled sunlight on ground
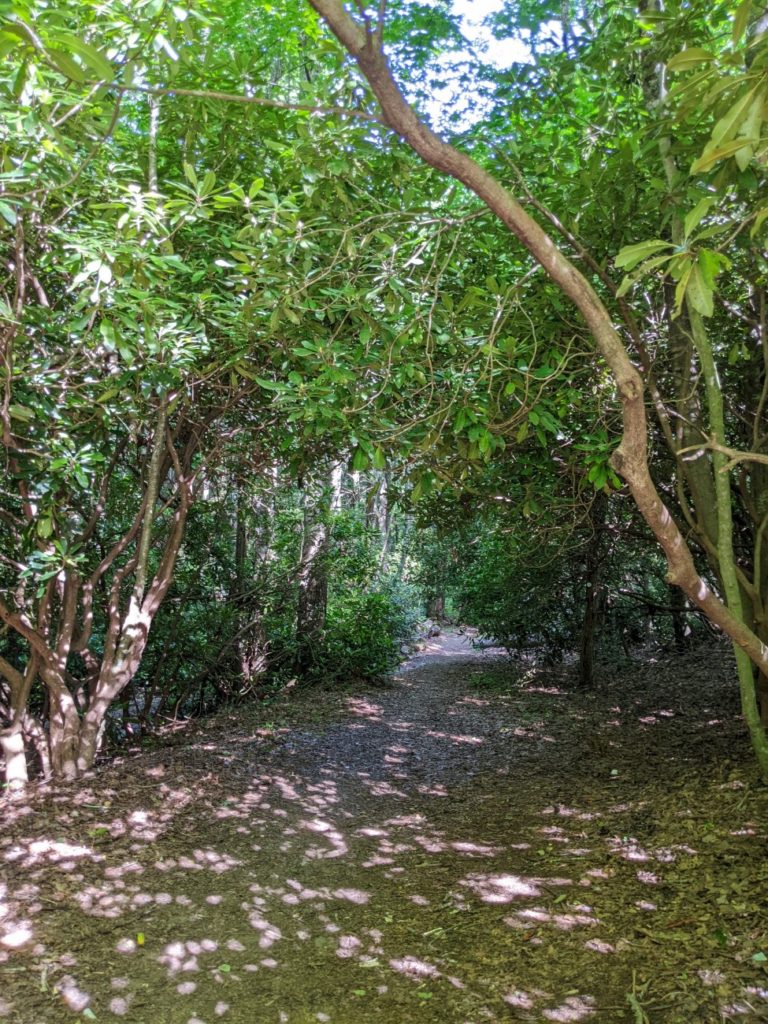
x=432 y=855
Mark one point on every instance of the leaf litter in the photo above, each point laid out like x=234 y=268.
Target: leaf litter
x=472 y=841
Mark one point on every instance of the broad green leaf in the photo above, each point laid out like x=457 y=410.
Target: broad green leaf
x=208 y=183
x=751 y=129
x=711 y=156
x=21 y=412
x=360 y=460
x=8 y=213
x=189 y=174
x=711 y=264
x=696 y=215
x=733 y=118
x=631 y=255
x=698 y=292
x=89 y=55
x=689 y=58
x=626 y=284
x=741 y=20
x=682 y=284
x=759 y=221
x=268 y=385
x=67 y=66
x=641 y=271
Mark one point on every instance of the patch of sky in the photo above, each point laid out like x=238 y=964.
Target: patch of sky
x=460 y=96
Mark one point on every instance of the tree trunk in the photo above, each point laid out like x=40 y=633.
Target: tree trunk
x=313 y=583
x=679 y=619
x=12 y=745
x=593 y=563
x=63 y=727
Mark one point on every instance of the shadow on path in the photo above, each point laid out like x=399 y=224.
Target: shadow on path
x=441 y=851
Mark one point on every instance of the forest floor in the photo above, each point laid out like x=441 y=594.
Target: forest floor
x=470 y=842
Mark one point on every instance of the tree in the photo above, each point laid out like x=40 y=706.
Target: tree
x=363 y=38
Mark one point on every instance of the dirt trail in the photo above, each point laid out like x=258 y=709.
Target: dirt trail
x=437 y=852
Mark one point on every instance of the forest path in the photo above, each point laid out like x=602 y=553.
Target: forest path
x=436 y=851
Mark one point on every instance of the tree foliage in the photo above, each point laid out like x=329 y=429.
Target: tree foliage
x=230 y=284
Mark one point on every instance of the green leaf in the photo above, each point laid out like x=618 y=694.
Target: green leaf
x=631 y=255
x=8 y=213
x=268 y=385
x=208 y=183
x=698 y=292
x=21 y=412
x=741 y=19
x=759 y=958
x=682 y=284
x=225 y=968
x=733 y=118
x=189 y=174
x=711 y=156
x=360 y=460
x=711 y=264
x=697 y=214
x=759 y=221
x=89 y=55
x=641 y=271
x=379 y=459
x=750 y=129
x=67 y=66
x=689 y=58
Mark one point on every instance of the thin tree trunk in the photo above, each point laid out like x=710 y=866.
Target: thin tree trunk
x=592 y=571
x=313 y=583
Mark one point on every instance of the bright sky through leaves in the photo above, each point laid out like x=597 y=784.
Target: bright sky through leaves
x=501 y=52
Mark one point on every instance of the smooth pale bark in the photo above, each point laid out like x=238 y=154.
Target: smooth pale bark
x=69 y=746
x=14 y=753
x=12 y=737
x=363 y=41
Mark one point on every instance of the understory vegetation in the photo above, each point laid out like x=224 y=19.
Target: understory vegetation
x=302 y=341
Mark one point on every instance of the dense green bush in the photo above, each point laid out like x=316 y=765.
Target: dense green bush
x=364 y=632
